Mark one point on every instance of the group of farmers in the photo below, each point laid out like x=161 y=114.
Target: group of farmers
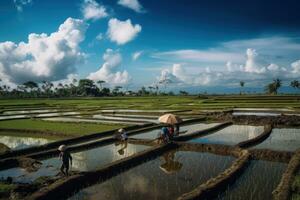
x=167 y=133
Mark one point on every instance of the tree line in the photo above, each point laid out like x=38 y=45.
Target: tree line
x=87 y=87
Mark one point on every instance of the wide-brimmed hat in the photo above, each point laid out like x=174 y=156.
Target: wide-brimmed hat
x=62 y=147
x=121 y=130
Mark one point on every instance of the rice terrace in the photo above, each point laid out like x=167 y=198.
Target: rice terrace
x=149 y=100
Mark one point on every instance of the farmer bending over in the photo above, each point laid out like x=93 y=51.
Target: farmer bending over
x=65 y=157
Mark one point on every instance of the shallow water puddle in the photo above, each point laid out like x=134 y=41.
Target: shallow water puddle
x=231 y=135
x=82 y=161
x=187 y=129
x=16 y=142
x=166 y=177
x=257 y=182
x=283 y=139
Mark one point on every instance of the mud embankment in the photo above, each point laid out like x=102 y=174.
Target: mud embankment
x=68 y=186
x=214 y=185
x=283 y=190
x=276 y=121
x=258 y=139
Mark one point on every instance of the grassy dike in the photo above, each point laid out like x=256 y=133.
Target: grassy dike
x=52 y=129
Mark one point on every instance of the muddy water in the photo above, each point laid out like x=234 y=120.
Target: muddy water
x=166 y=177
x=257 y=182
x=183 y=130
x=231 y=135
x=82 y=161
x=281 y=140
x=16 y=142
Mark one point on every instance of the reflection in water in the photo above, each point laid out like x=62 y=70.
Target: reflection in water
x=149 y=181
x=231 y=135
x=15 y=142
x=281 y=140
x=257 y=182
x=187 y=129
x=82 y=161
x=170 y=165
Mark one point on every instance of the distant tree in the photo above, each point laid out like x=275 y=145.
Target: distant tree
x=30 y=84
x=116 y=90
x=183 y=93
x=87 y=87
x=105 y=91
x=272 y=88
x=242 y=84
x=295 y=84
x=100 y=82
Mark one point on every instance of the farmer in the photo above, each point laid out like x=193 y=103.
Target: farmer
x=165 y=134
x=171 y=131
x=66 y=158
x=123 y=135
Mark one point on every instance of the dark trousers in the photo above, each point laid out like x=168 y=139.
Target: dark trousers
x=65 y=165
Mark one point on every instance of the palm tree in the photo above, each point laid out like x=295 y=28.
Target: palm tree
x=100 y=82
x=242 y=84
x=272 y=88
x=295 y=84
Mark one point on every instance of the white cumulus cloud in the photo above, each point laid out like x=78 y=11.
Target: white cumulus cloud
x=44 y=57
x=107 y=72
x=93 y=10
x=122 y=32
x=132 y=4
x=251 y=65
x=296 y=67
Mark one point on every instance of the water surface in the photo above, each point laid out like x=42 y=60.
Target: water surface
x=17 y=142
x=281 y=139
x=257 y=182
x=231 y=135
x=166 y=177
x=82 y=161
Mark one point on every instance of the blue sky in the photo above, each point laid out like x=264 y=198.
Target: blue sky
x=195 y=44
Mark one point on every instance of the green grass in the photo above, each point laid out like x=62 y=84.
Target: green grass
x=160 y=102
x=61 y=128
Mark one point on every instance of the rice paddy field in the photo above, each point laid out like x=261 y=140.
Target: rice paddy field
x=142 y=167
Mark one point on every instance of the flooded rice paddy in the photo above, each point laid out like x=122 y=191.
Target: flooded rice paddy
x=18 y=142
x=281 y=139
x=183 y=130
x=257 y=182
x=82 y=161
x=231 y=135
x=166 y=177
